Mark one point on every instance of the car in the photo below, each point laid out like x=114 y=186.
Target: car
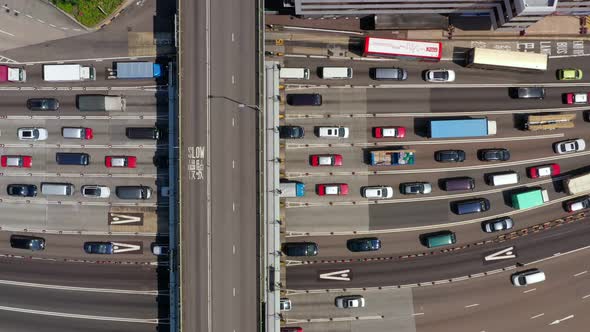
x=28 y=242
x=493 y=154
x=569 y=146
x=577 y=98
x=533 y=92
x=527 y=277
x=445 y=156
x=363 y=244
x=120 y=161
x=291 y=329
x=43 y=104
x=16 y=161
x=544 y=170
x=498 y=224
x=291 y=132
x=32 y=134
x=383 y=132
x=377 y=192
x=325 y=160
x=103 y=248
x=77 y=133
x=333 y=132
x=388 y=74
x=414 y=188
x=285 y=304
x=133 y=192
x=349 y=301
x=22 y=190
x=160 y=249
x=440 y=75
x=300 y=248
x=577 y=204
x=96 y=191
x=569 y=74
x=332 y=189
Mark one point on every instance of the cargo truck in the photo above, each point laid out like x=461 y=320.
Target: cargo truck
x=462 y=128
x=578 y=184
x=391 y=157
x=528 y=199
x=292 y=189
x=12 y=74
x=134 y=70
x=549 y=121
x=101 y=103
x=66 y=73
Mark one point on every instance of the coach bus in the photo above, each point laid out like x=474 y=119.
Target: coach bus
x=403 y=49
x=485 y=58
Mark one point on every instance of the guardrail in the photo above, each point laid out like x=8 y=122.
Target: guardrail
x=172 y=198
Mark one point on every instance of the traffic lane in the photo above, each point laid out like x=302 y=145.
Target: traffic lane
x=113 y=276
x=71 y=247
x=100 y=304
x=41 y=323
x=408 y=242
x=495 y=295
x=440 y=265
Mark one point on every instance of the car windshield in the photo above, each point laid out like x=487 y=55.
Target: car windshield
x=441 y=75
x=91 y=191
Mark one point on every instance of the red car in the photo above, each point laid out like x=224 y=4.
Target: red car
x=544 y=170
x=120 y=161
x=326 y=160
x=383 y=132
x=577 y=98
x=291 y=329
x=17 y=161
x=336 y=189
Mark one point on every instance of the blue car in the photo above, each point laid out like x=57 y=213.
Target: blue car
x=363 y=244
x=104 y=248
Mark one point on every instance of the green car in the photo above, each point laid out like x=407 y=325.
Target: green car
x=569 y=74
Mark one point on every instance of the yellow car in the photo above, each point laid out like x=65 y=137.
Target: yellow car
x=569 y=74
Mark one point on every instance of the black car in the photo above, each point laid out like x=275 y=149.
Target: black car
x=493 y=154
x=363 y=244
x=445 y=156
x=291 y=132
x=27 y=242
x=527 y=93
x=102 y=248
x=304 y=99
x=385 y=74
x=43 y=104
x=300 y=249
x=22 y=190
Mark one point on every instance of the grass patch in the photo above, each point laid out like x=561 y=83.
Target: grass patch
x=87 y=12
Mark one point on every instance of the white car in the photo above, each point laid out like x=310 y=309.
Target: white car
x=96 y=191
x=440 y=75
x=569 y=146
x=160 y=249
x=528 y=277
x=378 y=192
x=333 y=132
x=32 y=134
x=350 y=301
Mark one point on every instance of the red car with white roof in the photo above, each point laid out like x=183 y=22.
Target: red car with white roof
x=544 y=171
x=576 y=98
x=326 y=160
x=16 y=161
x=332 y=189
x=383 y=132
x=120 y=161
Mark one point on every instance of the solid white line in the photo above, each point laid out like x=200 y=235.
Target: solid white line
x=551 y=257
x=8 y=33
x=67 y=315
x=82 y=289
x=208 y=109
x=529 y=290
x=581 y=273
x=472 y=305
x=537 y=316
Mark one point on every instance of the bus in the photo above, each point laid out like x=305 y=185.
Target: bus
x=485 y=58
x=578 y=184
x=404 y=49
x=529 y=199
x=549 y=121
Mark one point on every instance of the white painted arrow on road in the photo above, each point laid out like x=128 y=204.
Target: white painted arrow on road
x=507 y=253
x=557 y=321
x=125 y=247
x=343 y=275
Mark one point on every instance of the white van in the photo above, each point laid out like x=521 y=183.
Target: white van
x=329 y=73
x=294 y=73
x=503 y=178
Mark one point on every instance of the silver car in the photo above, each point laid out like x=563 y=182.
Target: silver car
x=32 y=134
x=496 y=225
x=96 y=191
x=414 y=188
x=569 y=146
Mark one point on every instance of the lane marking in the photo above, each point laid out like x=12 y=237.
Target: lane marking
x=233 y=249
x=83 y=289
x=7 y=33
x=537 y=316
x=120 y=247
x=529 y=290
x=233 y=206
x=581 y=273
x=342 y=275
x=418 y=314
x=585 y=297
x=557 y=321
x=234 y=291
x=233 y=164
x=233 y=79
x=78 y=316
x=507 y=253
x=40 y=21
x=472 y=305
x=233 y=37
x=233 y=122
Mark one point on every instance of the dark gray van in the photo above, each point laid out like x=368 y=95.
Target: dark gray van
x=475 y=205
x=133 y=192
x=459 y=183
x=72 y=158
x=304 y=99
x=527 y=93
x=388 y=74
x=142 y=132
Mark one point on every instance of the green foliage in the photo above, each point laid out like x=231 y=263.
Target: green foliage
x=87 y=12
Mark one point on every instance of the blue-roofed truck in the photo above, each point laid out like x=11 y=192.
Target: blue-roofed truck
x=391 y=157
x=135 y=70
x=292 y=189
x=454 y=128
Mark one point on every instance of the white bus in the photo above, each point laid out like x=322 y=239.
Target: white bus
x=485 y=58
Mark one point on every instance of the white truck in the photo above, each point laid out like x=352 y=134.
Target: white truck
x=101 y=103
x=70 y=72
x=12 y=74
